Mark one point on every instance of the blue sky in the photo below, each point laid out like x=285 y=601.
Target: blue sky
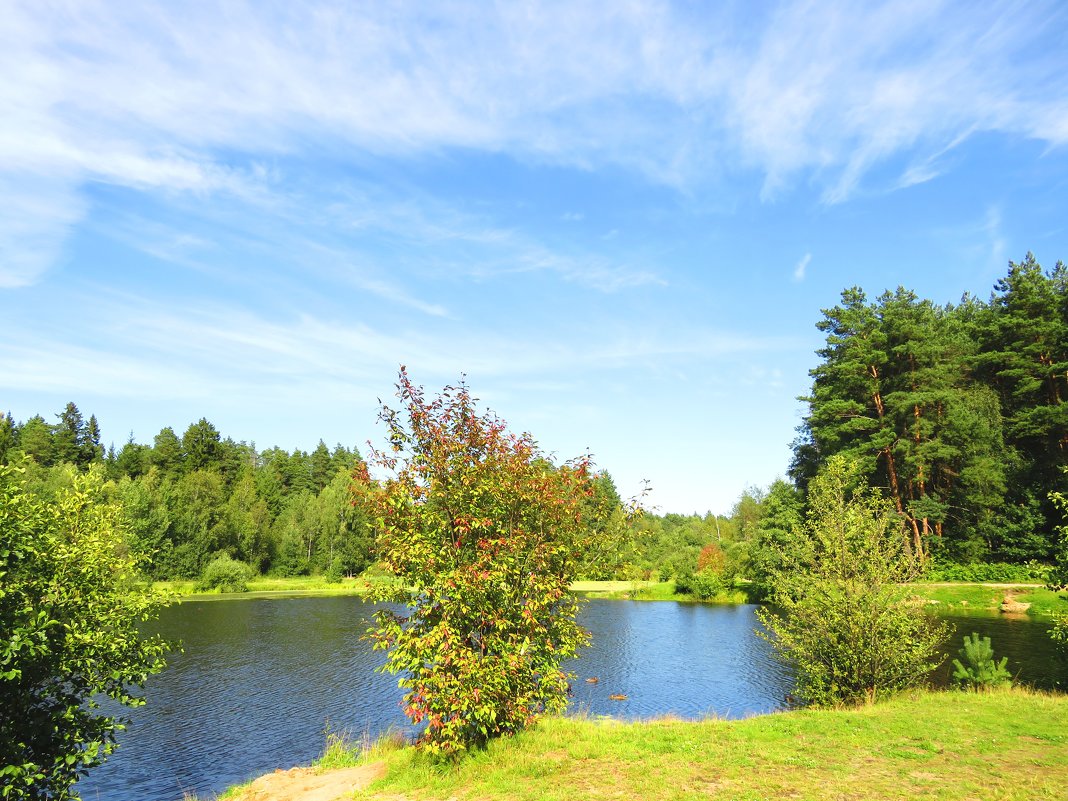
x=619 y=220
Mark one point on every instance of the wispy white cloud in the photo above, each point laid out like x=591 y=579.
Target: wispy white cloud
x=34 y=220
x=800 y=267
x=341 y=236
x=836 y=89
x=159 y=98
x=143 y=348
x=63 y=367
x=995 y=237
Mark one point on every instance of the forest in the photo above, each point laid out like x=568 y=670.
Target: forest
x=189 y=498
x=957 y=413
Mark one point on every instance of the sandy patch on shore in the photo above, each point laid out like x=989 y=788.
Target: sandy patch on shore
x=306 y=784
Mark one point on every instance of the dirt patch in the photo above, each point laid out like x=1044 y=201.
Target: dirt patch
x=307 y=784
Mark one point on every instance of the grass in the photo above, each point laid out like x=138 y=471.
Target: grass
x=343 y=751
x=649 y=591
x=956 y=598
x=951 y=597
x=1010 y=744
x=269 y=586
x=985 y=598
x=263 y=586
x=618 y=589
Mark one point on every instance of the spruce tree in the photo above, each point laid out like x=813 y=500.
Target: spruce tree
x=68 y=436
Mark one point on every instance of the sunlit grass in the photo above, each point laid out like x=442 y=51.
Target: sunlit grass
x=985 y=598
x=269 y=586
x=650 y=591
x=342 y=750
x=1006 y=745
x=956 y=598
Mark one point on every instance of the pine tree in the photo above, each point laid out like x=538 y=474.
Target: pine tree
x=1024 y=358
x=35 y=440
x=92 y=452
x=976 y=668
x=8 y=432
x=894 y=393
x=167 y=451
x=320 y=467
x=69 y=436
x=201 y=446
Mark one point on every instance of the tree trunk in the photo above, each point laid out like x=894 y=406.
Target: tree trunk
x=917 y=545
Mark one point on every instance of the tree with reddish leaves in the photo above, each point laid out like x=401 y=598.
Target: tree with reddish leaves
x=484 y=534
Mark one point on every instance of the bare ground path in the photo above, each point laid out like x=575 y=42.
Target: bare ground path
x=307 y=784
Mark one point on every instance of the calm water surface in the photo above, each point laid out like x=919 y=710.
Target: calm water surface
x=259 y=682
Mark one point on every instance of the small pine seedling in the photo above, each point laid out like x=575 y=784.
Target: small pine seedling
x=979 y=671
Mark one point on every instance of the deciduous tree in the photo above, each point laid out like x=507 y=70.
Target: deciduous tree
x=484 y=534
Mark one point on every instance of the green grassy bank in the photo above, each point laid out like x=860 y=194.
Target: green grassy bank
x=952 y=597
x=983 y=598
x=649 y=591
x=1010 y=744
x=267 y=586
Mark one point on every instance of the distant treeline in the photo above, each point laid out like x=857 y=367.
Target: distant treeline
x=190 y=498
x=959 y=413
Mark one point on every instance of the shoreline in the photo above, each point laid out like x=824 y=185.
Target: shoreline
x=955 y=597
x=1006 y=744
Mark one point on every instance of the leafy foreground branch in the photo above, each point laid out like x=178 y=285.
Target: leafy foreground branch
x=71 y=600
x=1007 y=744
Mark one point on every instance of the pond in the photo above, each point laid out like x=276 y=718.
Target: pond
x=259 y=682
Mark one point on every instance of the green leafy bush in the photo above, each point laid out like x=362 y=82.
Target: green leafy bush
x=704 y=584
x=1057 y=580
x=976 y=668
x=840 y=615
x=224 y=574
x=1058 y=577
x=1059 y=632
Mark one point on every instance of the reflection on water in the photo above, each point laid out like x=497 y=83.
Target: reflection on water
x=259 y=681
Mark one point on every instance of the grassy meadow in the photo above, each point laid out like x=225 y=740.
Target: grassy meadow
x=268 y=586
x=1008 y=744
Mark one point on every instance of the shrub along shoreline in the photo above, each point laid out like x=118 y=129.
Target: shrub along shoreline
x=1005 y=744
